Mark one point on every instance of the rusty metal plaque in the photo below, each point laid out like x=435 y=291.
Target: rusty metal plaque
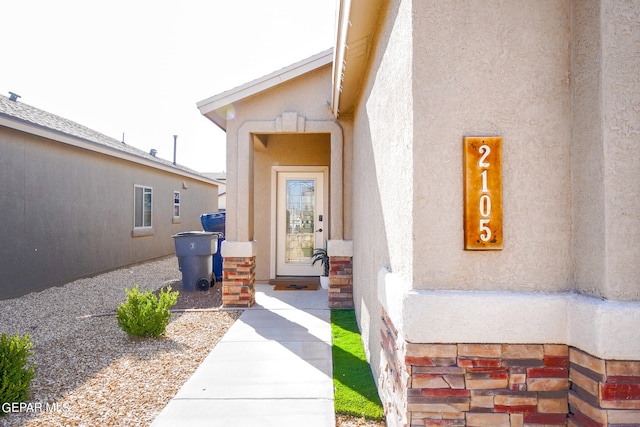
x=482 y=192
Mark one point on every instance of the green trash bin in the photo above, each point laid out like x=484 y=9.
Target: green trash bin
x=195 y=250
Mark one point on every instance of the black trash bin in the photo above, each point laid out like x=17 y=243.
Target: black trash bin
x=215 y=223
x=195 y=250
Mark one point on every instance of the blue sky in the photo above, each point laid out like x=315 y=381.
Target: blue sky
x=139 y=67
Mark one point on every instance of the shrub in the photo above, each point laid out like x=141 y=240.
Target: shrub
x=15 y=371
x=144 y=314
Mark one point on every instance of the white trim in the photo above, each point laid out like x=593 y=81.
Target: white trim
x=231 y=249
x=179 y=205
x=226 y=99
x=356 y=26
x=142 y=232
x=241 y=203
x=340 y=248
x=142 y=229
x=342 y=29
x=274 y=195
x=605 y=329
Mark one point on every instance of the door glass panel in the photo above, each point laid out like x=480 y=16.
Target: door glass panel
x=299 y=223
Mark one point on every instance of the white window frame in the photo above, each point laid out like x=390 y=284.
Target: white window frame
x=176 y=205
x=143 y=229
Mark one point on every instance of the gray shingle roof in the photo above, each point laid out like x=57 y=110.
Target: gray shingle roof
x=25 y=113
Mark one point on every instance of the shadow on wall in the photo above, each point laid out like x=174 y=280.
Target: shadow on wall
x=370 y=224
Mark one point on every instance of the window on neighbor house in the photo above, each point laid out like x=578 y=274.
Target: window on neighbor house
x=143 y=206
x=176 y=204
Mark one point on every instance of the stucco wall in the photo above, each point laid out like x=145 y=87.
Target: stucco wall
x=68 y=212
x=493 y=68
x=588 y=153
x=383 y=171
x=280 y=150
x=621 y=102
x=441 y=71
x=558 y=81
x=307 y=95
x=606 y=152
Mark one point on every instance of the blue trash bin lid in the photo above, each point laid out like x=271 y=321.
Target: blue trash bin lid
x=214 y=221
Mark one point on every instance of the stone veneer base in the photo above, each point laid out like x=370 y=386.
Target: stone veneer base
x=238 y=282
x=341 y=282
x=503 y=385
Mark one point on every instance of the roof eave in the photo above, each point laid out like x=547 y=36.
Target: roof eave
x=355 y=30
x=219 y=108
x=342 y=28
x=54 y=135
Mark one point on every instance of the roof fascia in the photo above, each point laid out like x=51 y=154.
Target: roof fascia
x=74 y=141
x=355 y=31
x=217 y=107
x=342 y=28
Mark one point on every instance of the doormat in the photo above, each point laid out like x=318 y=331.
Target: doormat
x=295 y=283
x=296 y=287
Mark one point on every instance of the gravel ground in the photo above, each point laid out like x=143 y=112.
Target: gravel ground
x=90 y=373
x=89 y=368
x=348 y=421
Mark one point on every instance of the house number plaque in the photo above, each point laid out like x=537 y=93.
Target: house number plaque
x=482 y=193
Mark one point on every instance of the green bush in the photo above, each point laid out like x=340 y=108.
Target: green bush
x=144 y=314
x=16 y=372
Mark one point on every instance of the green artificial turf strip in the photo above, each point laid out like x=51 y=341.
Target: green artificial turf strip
x=355 y=391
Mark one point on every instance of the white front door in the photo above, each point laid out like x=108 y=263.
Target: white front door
x=301 y=222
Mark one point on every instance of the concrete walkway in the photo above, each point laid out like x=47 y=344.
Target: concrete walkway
x=273 y=367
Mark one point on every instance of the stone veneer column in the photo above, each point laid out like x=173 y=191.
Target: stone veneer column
x=341 y=282
x=238 y=282
x=239 y=274
x=340 y=273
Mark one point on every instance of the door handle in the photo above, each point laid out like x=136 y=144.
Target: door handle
x=319 y=230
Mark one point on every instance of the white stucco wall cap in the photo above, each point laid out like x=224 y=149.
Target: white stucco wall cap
x=340 y=248
x=484 y=317
x=392 y=291
x=231 y=249
x=609 y=328
x=606 y=329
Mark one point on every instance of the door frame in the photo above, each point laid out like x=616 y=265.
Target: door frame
x=275 y=170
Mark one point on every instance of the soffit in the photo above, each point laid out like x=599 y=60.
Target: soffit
x=356 y=28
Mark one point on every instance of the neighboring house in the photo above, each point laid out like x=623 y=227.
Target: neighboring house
x=544 y=329
x=76 y=203
x=219 y=178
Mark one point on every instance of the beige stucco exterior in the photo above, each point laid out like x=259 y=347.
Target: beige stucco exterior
x=68 y=212
x=288 y=123
x=505 y=72
x=606 y=163
x=537 y=74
